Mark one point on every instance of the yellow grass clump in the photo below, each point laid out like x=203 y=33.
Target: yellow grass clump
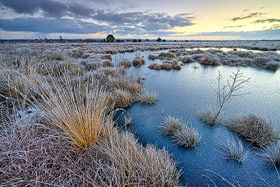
x=76 y=109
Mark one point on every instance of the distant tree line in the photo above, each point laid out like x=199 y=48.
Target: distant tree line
x=110 y=38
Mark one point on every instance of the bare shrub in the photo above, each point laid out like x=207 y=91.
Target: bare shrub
x=224 y=94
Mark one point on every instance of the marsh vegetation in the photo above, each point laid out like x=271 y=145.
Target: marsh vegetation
x=58 y=104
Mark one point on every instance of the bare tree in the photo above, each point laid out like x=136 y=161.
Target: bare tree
x=224 y=94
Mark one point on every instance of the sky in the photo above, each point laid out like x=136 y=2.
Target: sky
x=146 y=19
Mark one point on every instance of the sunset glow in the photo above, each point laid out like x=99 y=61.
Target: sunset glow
x=202 y=19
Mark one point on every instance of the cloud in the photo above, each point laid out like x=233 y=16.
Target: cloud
x=50 y=8
x=270 y=34
x=149 y=21
x=234 y=26
x=47 y=26
x=275 y=26
x=252 y=15
x=272 y=20
x=43 y=25
x=135 y=22
x=140 y=31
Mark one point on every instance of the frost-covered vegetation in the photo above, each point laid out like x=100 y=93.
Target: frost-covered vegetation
x=69 y=137
x=254 y=129
x=58 y=100
x=182 y=134
x=234 y=150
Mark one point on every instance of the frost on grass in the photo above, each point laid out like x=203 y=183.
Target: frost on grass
x=234 y=150
x=138 y=61
x=35 y=155
x=128 y=120
x=170 y=125
x=183 y=134
x=254 y=129
x=208 y=117
x=272 y=154
x=186 y=136
x=77 y=144
x=148 y=97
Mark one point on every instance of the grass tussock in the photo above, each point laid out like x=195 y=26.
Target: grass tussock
x=208 y=117
x=138 y=61
x=15 y=84
x=210 y=60
x=131 y=162
x=254 y=129
x=78 y=110
x=125 y=63
x=148 y=97
x=170 y=125
x=183 y=134
x=152 y=57
x=36 y=155
x=272 y=154
x=123 y=98
x=187 y=59
x=186 y=136
x=167 y=55
x=125 y=83
x=234 y=150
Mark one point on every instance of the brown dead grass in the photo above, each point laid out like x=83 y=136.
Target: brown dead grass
x=254 y=129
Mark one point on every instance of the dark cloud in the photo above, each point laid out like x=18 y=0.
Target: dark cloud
x=46 y=26
x=43 y=25
x=252 y=15
x=49 y=7
x=138 y=23
x=272 y=20
x=149 y=21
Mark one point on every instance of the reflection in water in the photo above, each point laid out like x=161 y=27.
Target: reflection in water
x=224 y=49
